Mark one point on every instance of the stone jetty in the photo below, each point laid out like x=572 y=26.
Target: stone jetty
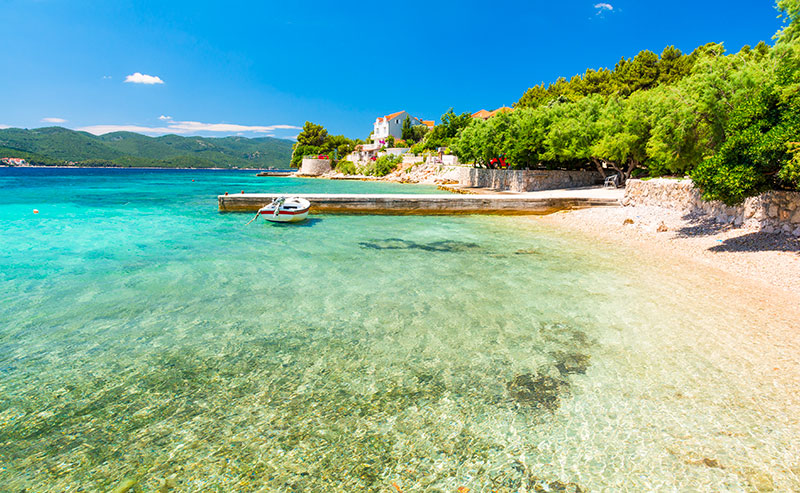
x=399 y=204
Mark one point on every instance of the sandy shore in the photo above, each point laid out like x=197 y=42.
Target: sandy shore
x=769 y=259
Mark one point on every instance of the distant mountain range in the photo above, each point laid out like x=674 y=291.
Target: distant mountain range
x=51 y=146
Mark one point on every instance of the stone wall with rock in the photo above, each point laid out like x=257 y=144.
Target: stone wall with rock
x=523 y=180
x=314 y=167
x=775 y=211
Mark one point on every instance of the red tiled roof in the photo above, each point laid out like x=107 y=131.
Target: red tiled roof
x=393 y=115
x=503 y=109
x=488 y=114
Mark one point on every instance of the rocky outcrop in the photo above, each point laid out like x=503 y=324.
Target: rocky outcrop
x=770 y=212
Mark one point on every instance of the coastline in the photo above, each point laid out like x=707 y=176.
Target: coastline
x=134 y=167
x=769 y=260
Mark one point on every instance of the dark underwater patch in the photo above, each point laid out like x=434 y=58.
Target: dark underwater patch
x=536 y=390
x=572 y=363
x=516 y=476
x=434 y=246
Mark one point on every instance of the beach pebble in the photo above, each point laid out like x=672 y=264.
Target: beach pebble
x=124 y=486
x=761 y=482
x=167 y=483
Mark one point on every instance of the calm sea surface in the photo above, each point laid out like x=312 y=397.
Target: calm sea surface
x=144 y=336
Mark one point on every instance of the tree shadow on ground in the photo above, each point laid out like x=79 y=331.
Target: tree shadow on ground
x=759 y=242
x=701 y=225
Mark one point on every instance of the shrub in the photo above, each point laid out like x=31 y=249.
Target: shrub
x=346 y=167
x=383 y=165
x=417 y=148
x=790 y=173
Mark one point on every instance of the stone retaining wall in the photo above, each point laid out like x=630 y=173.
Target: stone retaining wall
x=770 y=212
x=523 y=180
x=315 y=167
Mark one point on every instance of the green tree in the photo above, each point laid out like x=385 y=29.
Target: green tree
x=528 y=133
x=790 y=12
x=418 y=133
x=573 y=131
x=309 y=141
x=760 y=150
x=408 y=132
x=442 y=135
x=641 y=73
x=673 y=65
x=534 y=97
x=312 y=135
x=624 y=126
x=690 y=117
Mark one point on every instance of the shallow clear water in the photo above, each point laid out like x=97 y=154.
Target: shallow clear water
x=143 y=336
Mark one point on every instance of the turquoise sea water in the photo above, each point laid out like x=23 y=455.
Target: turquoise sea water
x=145 y=336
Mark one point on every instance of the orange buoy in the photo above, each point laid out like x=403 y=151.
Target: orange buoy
x=36 y=211
x=226 y=193
x=242 y=191
x=192 y=180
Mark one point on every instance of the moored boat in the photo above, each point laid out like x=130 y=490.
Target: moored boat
x=286 y=210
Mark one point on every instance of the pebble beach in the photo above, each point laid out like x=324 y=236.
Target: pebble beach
x=770 y=259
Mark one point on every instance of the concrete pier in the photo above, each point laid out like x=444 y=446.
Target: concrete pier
x=399 y=204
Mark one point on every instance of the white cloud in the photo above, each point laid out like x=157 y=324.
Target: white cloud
x=139 y=78
x=162 y=117
x=604 y=6
x=106 y=77
x=53 y=120
x=188 y=127
x=4 y=126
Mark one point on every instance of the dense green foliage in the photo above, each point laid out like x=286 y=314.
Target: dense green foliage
x=346 y=167
x=411 y=134
x=382 y=166
x=442 y=135
x=730 y=120
x=314 y=140
x=663 y=127
x=57 y=146
x=759 y=151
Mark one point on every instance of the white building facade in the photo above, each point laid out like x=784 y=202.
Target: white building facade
x=392 y=125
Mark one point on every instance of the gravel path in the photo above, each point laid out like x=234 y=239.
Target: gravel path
x=772 y=259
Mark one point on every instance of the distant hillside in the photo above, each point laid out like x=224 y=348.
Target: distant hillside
x=56 y=145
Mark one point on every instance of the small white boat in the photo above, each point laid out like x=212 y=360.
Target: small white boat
x=283 y=210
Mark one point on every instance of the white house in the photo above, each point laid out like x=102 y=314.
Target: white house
x=392 y=125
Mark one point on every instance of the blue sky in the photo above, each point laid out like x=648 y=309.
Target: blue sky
x=264 y=68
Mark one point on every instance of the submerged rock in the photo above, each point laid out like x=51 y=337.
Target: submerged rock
x=536 y=390
x=517 y=477
x=124 y=486
x=556 y=486
x=572 y=363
